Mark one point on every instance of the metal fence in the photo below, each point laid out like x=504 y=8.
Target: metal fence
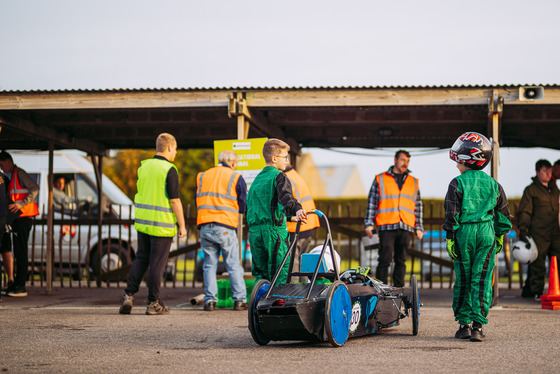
x=83 y=256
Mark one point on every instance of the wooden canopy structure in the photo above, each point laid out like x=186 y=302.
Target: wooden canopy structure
x=369 y=117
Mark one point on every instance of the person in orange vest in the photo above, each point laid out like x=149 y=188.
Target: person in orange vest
x=23 y=191
x=301 y=192
x=221 y=196
x=394 y=206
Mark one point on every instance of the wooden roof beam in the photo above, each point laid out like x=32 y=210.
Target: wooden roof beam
x=394 y=97
x=62 y=139
x=237 y=106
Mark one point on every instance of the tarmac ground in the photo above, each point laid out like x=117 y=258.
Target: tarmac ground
x=77 y=330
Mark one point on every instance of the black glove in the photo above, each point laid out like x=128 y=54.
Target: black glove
x=523 y=236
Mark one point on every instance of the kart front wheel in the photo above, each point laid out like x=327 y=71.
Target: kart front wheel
x=338 y=311
x=258 y=292
x=415 y=301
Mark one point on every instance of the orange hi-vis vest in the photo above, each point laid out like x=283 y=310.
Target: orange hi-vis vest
x=18 y=193
x=303 y=196
x=396 y=205
x=216 y=196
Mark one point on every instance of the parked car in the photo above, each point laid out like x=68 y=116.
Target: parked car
x=76 y=245
x=434 y=243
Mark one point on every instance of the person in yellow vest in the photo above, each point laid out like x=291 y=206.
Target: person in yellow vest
x=394 y=206
x=302 y=194
x=157 y=211
x=23 y=191
x=221 y=196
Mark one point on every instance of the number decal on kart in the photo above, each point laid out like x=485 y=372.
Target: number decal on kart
x=356 y=314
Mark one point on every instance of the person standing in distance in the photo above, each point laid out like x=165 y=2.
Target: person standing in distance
x=537 y=217
x=5 y=247
x=23 y=191
x=158 y=211
x=221 y=196
x=394 y=206
x=301 y=192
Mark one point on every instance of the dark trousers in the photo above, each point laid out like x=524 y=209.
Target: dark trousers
x=21 y=228
x=153 y=252
x=393 y=242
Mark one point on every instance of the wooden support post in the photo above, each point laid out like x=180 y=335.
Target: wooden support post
x=242 y=133
x=496 y=106
x=50 y=220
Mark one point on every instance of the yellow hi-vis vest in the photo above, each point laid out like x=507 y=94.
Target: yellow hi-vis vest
x=152 y=207
x=303 y=196
x=396 y=205
x=216 y=196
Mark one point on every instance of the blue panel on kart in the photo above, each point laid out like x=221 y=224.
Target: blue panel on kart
x=309 y=262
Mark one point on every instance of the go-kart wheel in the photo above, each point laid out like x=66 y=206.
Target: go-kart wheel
x=415 y=301
x=338 y=311
x=259 y=291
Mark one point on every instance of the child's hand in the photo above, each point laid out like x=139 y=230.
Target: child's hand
x=301 y=215
x=451 y=249
x=499 y=243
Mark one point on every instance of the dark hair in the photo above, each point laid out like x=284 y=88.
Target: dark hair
x=403 y=152
x=542 y=163
x=557 y=162
x=5 y=156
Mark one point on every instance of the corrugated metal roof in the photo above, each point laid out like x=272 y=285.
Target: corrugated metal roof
x=284 y=88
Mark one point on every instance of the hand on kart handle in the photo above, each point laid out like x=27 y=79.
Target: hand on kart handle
x=301 y=215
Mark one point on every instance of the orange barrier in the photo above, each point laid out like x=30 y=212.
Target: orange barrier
x=552 y=298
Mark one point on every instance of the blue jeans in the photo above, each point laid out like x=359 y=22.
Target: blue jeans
x=213 y=239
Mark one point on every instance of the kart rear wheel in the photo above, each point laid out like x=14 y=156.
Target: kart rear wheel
x=338 y=311
x=415 y=301
x=258 y=292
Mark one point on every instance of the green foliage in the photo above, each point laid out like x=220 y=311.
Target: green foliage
x=122 y=170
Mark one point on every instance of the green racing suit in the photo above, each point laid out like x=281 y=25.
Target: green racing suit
x=476 y=212
x=269 y=202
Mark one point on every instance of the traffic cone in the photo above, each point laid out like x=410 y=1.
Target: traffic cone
x=552 y=298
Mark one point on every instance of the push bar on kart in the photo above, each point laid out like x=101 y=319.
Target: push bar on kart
x=291 y=252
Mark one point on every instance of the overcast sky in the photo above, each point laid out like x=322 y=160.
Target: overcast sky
x=107 y=44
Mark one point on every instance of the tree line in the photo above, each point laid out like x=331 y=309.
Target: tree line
x=123 y=166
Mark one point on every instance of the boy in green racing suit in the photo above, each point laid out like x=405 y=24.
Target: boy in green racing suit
x=476 y=218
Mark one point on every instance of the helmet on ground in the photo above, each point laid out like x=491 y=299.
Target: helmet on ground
x=472 y=149
x=524 y=252
x=327 y=257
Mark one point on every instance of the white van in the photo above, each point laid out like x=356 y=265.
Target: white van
x=75 y=246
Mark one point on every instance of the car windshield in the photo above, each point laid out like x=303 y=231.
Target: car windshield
x=87 y=190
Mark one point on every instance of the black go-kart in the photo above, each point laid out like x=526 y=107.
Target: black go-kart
x=348 y=305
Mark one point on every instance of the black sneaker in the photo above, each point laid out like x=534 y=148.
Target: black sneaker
x=464 y=332
x=156 y=308
x=18 y=292
x=240 y=305
x=210 y=306
x=126 y=304
x=476 y=333
x=11 y=287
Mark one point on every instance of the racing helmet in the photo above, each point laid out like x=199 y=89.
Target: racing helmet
x=524 y=252
x=472 y=149
x=327 y=257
